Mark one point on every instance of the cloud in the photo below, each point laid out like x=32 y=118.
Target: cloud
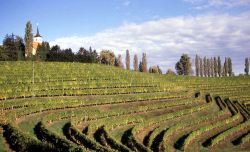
x=204 y=4
x=126 y=3
x=164 y=40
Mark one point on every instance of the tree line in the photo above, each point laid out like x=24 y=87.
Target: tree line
x=213 y=67
x=14 y=48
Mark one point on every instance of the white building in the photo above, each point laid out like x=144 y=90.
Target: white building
x=37 y=40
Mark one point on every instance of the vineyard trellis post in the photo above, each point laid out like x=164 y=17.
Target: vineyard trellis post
x=33 y=78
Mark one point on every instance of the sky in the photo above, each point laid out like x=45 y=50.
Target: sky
x=163 y=29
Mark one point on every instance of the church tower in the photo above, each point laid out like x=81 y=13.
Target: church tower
x=37 y=40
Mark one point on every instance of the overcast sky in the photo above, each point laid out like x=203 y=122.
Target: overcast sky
x=164 y=29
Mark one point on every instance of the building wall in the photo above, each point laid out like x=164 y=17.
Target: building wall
x=36 y=41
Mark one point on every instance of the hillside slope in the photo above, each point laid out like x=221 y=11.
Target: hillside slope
x=51 y=106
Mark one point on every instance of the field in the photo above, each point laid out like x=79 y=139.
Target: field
x=47 y=106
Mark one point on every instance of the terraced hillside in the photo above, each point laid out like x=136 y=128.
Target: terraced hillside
x=92 y=107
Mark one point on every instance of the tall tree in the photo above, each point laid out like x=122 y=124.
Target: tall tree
x=219 y=67
x=116 y=62
x=197 y=65
x=136 y=67
x=144 y=62
x=183 y=66
x=230 y=67
x=28 y=40
x=215 y=67
x=246 y=66
x=212 y=67
x=201 y=67
x=225 y=70
x=127 y=60
x=120 y=64
x=140 y=67
x=93 y=56
x=205 y=66
x=208 y=68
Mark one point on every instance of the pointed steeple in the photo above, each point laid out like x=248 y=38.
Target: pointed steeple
x=37 y=33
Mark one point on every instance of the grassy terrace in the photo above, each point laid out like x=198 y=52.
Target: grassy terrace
x=92 y=107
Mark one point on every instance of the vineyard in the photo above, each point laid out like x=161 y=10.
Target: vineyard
x=52 y=106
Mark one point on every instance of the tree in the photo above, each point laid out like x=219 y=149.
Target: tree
x=208 y=68
x=225 y=69
x=107 y=57
x=20 y=48
x=13 y=48
x=155 y=69
x=140 y=67
x=230 y=67
x=197 y=65
x=9 y=48
x=93 y=55
x=83 y=55
x=42 y=51
x=205 y=66
x=53 y=54
x=144 y=62
x=170 y=72
x=212 y=67
x=201 y=67
x=246 y=66
x=215 y=67
x=183 y=66
x=136 y=67
x=179 y=68
x=219 y=67
x=66 y=55
x=120 y=64
x=28 y=40
x=127 y=60
x=3 y=55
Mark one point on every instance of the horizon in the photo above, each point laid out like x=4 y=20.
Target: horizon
x=164 y=30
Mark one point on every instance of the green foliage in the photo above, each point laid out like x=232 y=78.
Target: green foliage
x=74 y=135
x=183 y=66
x=42 y=51
x=107 y=57
x=13 y=48
x=59 y=143
x=103 y=137
x=28 y=38
x=22 y=142
x=129 y=140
